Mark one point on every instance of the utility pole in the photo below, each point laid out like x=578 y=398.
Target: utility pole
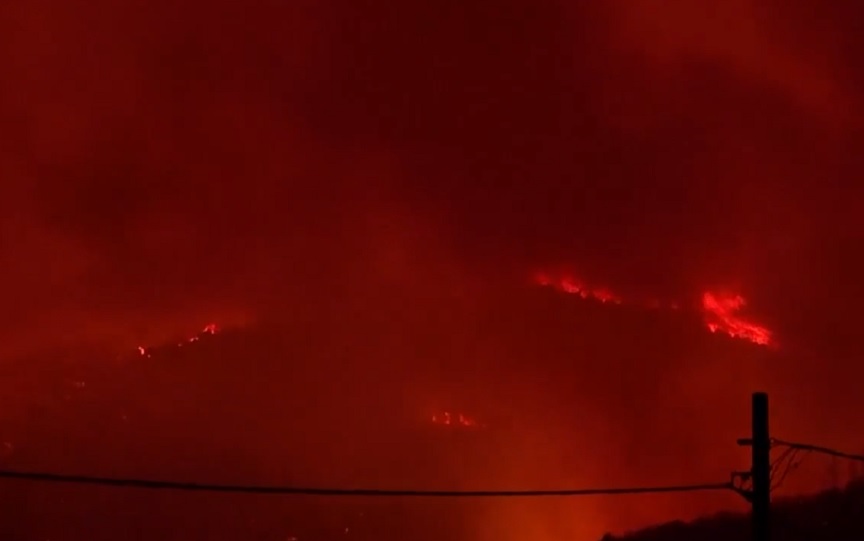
x=760 y=472
x=761 y=463
x=761 y=469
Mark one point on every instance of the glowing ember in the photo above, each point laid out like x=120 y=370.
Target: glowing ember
x=466 y=421
x=210 y=329
x=450 y=419
x=569 y=284
x=720 y=314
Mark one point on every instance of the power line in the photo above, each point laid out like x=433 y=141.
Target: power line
x=786 y=456
x=786 y=460
x=817 y=449
x=307 y=491
x=791 y=464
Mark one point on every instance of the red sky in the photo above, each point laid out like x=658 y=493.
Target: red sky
x=388 y=176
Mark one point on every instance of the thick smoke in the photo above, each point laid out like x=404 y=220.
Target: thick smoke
x=375 y=182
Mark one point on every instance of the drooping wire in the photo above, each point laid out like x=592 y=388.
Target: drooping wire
x=818 y=449
x=794 y=448
x=784 y=458
x=780 y=468
x=789 y=465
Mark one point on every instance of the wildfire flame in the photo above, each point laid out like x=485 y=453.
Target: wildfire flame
x=570 y=284
x=454 y=419
x=720 y=315
x=720 y=312
x=209 y=329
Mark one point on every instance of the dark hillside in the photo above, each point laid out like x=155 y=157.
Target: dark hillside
x=828 y=516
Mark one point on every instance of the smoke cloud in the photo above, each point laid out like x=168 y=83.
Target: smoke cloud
x=366 y=188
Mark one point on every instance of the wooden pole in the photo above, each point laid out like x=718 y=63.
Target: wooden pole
x=761 y=459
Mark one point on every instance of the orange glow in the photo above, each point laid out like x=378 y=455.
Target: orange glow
x=720 y=313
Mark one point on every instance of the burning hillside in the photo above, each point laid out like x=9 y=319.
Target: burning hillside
x=568 y=284
x=474 y=421
x=722 y=316
x=370 y=183
x=720 y=311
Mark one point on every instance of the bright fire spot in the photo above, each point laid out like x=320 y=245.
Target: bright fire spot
x=210 y=329
x=453 y=419
x=720 y=311
x=720 y=314
x=569 y=284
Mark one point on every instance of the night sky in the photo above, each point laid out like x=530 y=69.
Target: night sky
x=362 y=194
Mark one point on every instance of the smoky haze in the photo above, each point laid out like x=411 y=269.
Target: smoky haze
x=362 y=191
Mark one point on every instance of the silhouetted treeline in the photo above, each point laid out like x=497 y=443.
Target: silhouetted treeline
x=834 y=515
